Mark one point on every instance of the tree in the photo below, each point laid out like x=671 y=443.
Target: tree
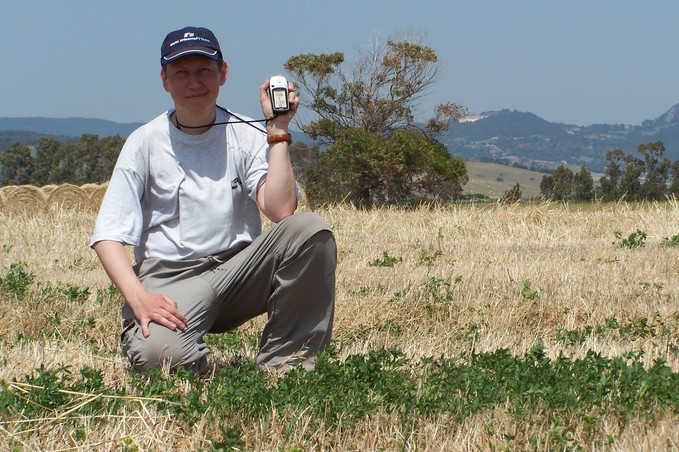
x=673 y=189
x=630 y=185
x=547 y=187
x=642 y=178
x=88 y=150
x=610 y=182
x=46 y=153
x=360 y=114
x=511 y=196
x=656 y=170
x=88 y=160
x=613 y=171
x=606 y=190
x=66 y=161
x=583 y=185
x=379 y=93
x=17 y=165
x=563 y=183
x=347 y=170
x=104 y=159
x=364 y=168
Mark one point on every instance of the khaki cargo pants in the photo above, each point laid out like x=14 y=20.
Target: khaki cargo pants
x=288 y=273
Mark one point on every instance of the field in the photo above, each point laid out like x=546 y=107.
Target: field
x=535 y=326
x=493 y=179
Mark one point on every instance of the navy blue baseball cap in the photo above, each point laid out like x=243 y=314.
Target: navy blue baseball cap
x=187 y=41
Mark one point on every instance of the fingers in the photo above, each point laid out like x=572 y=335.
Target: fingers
x=145 y=328
x=169 y=316
x=265 y=101
x=177 y=316
x=264 y=93
x=163 y=311
x=293 y=98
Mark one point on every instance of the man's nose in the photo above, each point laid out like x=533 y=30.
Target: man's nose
x=194 y=80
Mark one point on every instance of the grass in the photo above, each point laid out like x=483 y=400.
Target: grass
x=475 y=327
x=493 y=180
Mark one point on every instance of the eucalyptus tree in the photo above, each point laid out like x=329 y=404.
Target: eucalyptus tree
x=365 y=117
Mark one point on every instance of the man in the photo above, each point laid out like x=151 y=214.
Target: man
x=186 y=192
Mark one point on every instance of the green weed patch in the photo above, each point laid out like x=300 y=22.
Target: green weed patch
x=670 y=242
x=657 y=327
x=339 y=394
x=636 y=239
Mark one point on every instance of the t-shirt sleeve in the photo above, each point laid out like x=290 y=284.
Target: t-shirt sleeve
x=120 y=216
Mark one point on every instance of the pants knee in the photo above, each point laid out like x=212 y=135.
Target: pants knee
x=323 y=243
x=306 y=222
x=161 y=350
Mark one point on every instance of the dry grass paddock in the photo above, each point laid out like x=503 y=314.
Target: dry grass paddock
x=511 y=277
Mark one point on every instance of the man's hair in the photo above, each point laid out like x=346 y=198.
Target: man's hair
x=220 y=63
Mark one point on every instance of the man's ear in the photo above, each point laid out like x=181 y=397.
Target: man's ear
x=163 y=78
x=224 y=73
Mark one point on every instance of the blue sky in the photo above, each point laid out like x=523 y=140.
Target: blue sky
x=578 y=61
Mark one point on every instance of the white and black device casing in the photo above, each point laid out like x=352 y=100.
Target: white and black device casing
x=278 y=92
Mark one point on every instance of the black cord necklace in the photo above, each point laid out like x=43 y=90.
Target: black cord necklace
x=181 y=126
x=240 y=120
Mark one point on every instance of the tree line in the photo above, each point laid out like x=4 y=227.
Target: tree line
x=646 y=175
x=386 y=163
x=87 y=160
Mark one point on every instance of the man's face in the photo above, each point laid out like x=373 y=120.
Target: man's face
x=193 y=81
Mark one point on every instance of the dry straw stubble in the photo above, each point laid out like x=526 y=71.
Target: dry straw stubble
x=470 y=297
x=464 y=278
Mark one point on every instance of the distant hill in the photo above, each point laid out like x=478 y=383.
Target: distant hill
x=524 y=139
x=67 y=127
x=25 y=138
x=27 y=131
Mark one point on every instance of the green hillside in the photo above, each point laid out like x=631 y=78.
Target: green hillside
x=492 y=179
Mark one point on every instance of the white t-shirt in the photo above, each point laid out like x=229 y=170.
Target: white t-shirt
x=178 y=196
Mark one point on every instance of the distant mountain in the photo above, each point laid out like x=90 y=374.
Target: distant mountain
x=25 y=138
x=671 y=116
x=27 y=131
x=67 y=127
x=509 y=137
x=524 y=139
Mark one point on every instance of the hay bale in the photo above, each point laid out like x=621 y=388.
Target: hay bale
x=6 y=190
x=97 y=196
x=25 y=198
x=69 y=197
x=89 y=188
x=48 y=189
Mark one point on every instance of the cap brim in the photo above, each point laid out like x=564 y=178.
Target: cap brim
x=210 y=53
